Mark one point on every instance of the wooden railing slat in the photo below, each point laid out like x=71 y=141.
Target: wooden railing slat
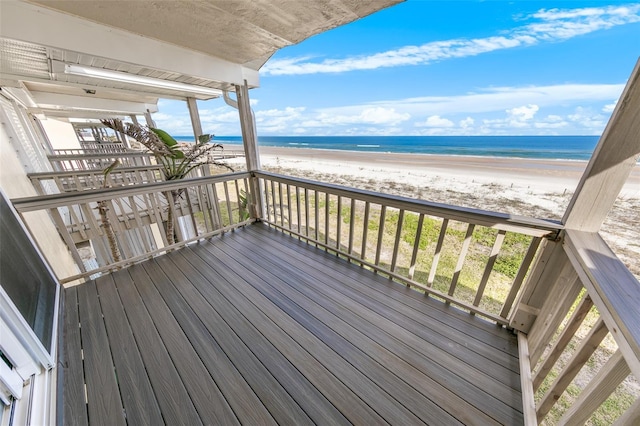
x=436 y=255
x=597 y=390
x=489 y=267
x=522 y=273
x=416 y=246
x=565 y=337
x=383 y=215
x=396 y=245
x=461 y=258
x=569 y=372
x=613 y=288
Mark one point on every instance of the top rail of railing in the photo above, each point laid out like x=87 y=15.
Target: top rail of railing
x=528 y=225
x=128 y=224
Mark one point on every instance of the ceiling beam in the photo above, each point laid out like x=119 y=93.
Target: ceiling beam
x=30 y=23
x=58 y=101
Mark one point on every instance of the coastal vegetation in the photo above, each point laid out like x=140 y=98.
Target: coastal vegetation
x=177 y=162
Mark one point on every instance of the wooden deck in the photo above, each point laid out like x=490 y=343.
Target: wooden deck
x=255 y=327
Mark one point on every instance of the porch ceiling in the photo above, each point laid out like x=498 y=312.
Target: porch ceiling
x=210 y=44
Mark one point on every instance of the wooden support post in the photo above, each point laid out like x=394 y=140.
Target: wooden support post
x=149 y=120
x=252 y=155
x=611 y=164
x=195 y=117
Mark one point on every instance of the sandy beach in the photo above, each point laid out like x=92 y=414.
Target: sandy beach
x=528 y=187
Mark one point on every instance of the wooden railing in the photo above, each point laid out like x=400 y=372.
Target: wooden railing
x=138 y=216
x=74 y=162
x=591 y=319
x=474 y=259
x=91 y=148
x=94 y=179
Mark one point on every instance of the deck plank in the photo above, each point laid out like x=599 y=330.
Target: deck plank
x=207 y=341
x=444 y=368
x=75 y=406
x=260 y=362
x=361 y=345
x=105 y=405
x=331 y=382
x=140 y=404
x=175 y=403
x=337 y=352
x=256 y=327
x=415 y=319
x=203 y=391
x=469 y=326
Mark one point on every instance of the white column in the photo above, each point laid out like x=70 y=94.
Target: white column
x=195 y=117
x=252 y=155
x=150 y=122
x=248 y=126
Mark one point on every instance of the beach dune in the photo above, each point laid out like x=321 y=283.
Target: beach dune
x=527 y=187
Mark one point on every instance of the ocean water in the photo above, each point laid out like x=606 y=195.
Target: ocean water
x=543 y=147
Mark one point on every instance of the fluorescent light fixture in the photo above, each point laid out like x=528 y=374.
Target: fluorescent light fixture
x=124 y=77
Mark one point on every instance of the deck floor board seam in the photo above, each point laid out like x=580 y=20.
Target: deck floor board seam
x=417 y=353
x=173 y=398
x=271 y=321
x=359 y=358
x=351 y=287
x=473 y=326
x=257 y=327
x=287 y=411
x=386 y=352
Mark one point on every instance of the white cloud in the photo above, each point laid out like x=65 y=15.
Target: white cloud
x=523 y=113
x=363 y=115
x=491 y=100
x=437 y=121
x=608 y=108
x=278 y=120
x=467 y=123
x=551 y=25
x=588 y=119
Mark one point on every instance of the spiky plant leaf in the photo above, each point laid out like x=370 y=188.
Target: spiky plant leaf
x=169 y=141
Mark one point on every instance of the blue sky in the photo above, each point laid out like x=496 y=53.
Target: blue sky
x=444 y=68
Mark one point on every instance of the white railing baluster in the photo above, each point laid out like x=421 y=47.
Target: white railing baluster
x=326 y=218
x=280 y=203
x=228 y=201
x=365 y=229
x=522 y=273
x=489 y=267
x=317 y=213
x=436 y=256
x=352 y=219
x=289 y=206
x=339 y=222
x=463 y=255
x=298 y=213
x=416 y=246
x=396 y=245
x=383 y=213
x=306 y=211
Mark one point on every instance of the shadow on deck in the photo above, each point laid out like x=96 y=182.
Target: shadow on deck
x=255 y=327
